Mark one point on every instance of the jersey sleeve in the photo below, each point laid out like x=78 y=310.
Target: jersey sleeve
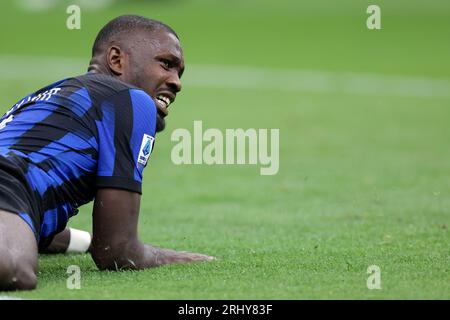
x=126 y=134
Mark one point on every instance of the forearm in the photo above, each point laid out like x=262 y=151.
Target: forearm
x=115 y=244
x=135 y=255
x=132 y=255
x=69 y=240
x=59 y=244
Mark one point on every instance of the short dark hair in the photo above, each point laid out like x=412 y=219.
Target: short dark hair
x=126 y=24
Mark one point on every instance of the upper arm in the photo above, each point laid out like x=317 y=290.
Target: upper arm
x=126 y=133
x=115 y=220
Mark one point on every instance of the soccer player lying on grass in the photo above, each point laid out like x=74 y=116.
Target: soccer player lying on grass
x=83 y=138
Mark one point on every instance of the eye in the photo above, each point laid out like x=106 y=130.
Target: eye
x=166 y=64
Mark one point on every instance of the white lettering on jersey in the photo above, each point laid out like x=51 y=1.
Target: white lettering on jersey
x=5 y=121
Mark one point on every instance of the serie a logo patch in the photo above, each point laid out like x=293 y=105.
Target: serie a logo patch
x=146 y=149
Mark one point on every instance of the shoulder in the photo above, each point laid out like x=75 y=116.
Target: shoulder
x=141 y=100
x=101 y=87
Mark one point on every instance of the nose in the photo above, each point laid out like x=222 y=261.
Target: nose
x=174 y=82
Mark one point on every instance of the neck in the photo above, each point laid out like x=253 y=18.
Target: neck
x=96 y=66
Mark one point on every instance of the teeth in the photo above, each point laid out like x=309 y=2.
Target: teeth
x=164 y=100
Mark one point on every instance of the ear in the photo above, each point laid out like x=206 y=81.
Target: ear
x=116 y=60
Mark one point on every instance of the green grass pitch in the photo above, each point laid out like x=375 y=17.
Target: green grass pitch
x=364 y=173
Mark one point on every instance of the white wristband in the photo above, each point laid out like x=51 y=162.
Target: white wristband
x=79 y=241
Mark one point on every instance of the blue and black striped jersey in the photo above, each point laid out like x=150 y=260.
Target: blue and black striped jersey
x=77 y=135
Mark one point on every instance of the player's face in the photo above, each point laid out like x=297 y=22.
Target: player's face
x=156 y=67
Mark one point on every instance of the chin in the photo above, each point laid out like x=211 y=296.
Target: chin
x=160 y=123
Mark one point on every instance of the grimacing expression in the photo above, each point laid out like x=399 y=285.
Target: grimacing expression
x=156 y=65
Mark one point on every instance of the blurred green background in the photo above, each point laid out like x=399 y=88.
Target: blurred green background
x=364 y=147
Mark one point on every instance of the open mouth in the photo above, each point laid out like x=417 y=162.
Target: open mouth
x=163 y=103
